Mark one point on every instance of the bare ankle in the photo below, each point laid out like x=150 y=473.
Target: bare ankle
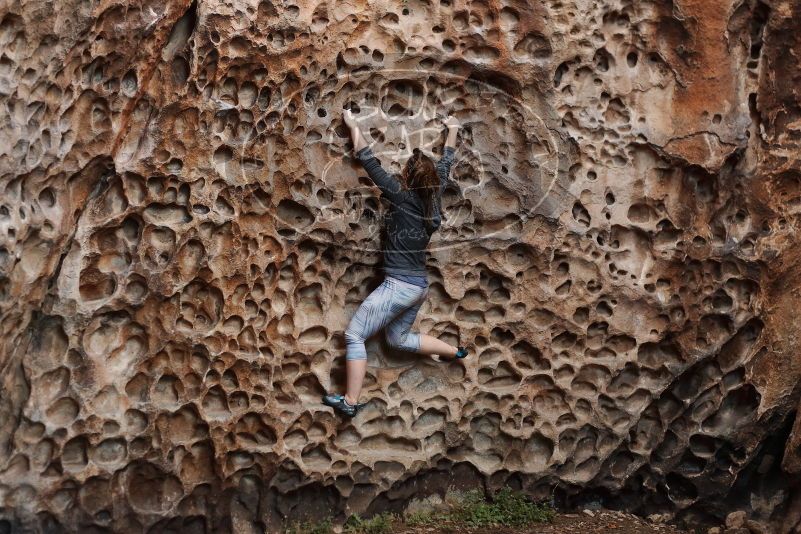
x=350 y=400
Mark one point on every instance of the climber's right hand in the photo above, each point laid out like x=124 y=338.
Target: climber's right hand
x=349 y=118
x=452 y=122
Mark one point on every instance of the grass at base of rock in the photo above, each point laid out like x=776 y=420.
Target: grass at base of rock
x=507 y=509
x=378 y=524
x=468 y=510
x=323 y=527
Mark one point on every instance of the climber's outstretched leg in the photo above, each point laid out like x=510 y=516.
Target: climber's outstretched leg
x=430 y=345
x=400 y=336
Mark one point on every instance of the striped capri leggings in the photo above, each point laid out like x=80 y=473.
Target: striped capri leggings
x=391 y=306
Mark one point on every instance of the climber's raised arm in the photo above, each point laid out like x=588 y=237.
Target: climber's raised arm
x=445 y=162
x=453 y=129
x=389 y=185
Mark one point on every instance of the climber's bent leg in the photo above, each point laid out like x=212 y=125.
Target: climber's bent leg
x=355 y=369
x=386 y=302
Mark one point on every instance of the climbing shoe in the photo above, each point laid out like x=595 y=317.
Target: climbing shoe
x=339 y=404
x=460 y=354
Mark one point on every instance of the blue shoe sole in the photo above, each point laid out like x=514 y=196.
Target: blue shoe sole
x=457 y=357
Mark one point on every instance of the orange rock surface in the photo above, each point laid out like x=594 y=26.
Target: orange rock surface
x=184 y=234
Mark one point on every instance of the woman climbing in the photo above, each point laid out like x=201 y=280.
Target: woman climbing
x=413 y=216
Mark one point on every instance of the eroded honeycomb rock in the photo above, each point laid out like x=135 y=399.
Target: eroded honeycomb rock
x=184 y=235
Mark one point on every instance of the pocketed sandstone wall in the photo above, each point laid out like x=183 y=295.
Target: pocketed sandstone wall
x=185 y=235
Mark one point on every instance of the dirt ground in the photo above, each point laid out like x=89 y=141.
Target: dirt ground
x=601 y=521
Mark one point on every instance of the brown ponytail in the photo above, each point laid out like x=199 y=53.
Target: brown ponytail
x=420 y=175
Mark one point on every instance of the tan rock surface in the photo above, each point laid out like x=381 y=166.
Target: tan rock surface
x=184 y=235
